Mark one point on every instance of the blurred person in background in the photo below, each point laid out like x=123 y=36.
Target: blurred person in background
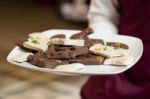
x=127 y=17
x=75 y=11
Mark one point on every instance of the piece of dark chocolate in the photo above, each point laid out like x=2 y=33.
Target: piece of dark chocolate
x=117 y=45
x=63 y=52
x=83 y=34
x=20 y=42
x=87 y=31
x=39 y=59
x=59 y=36
x=88 y=59
x=91 y=42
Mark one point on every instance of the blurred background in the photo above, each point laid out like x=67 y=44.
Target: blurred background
x=21 y=17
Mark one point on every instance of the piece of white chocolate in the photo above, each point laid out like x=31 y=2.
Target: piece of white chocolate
x=75 y=42
x=108 y=51
x=124 y=60
x=70 y=67
x=37 y=35
x=38 y=46
x=22 y=57
x=62 y=41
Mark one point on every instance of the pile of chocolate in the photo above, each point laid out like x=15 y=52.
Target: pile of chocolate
x=59 y=54
x=65 y=54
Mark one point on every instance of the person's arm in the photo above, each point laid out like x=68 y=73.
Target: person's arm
x=103 y=16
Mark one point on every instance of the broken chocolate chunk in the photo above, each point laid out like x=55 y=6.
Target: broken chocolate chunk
x=117 y=45
x=63 y=52
x=91 y=42
x=59 y=36
x=39 y=59
x=83 y=34
x=88 y=59
x=20 y=44
x=87 y=31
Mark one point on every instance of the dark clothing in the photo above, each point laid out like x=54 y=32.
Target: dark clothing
x=134 y=83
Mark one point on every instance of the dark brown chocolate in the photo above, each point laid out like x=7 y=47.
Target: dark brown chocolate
x=20 y=44
x=117 y=45
x=83 y=34
x=87 y=31
x=62 y=52
x=59 y=36
x=39 y=59
x=91 y=42
x=88 y=59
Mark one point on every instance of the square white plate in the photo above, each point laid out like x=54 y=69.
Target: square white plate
x=135 y=45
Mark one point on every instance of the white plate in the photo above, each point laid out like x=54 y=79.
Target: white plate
x=135 y=45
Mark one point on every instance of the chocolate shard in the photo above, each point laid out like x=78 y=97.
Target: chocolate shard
x=39 y=59
x=83 y=34
x=20 y=42
x=91 y=42
x=65 y=52
x=117 y=45
x=59 y=36
x=87 y=31
x=88 y=59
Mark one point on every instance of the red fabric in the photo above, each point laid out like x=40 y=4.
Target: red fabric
x=134 y=83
